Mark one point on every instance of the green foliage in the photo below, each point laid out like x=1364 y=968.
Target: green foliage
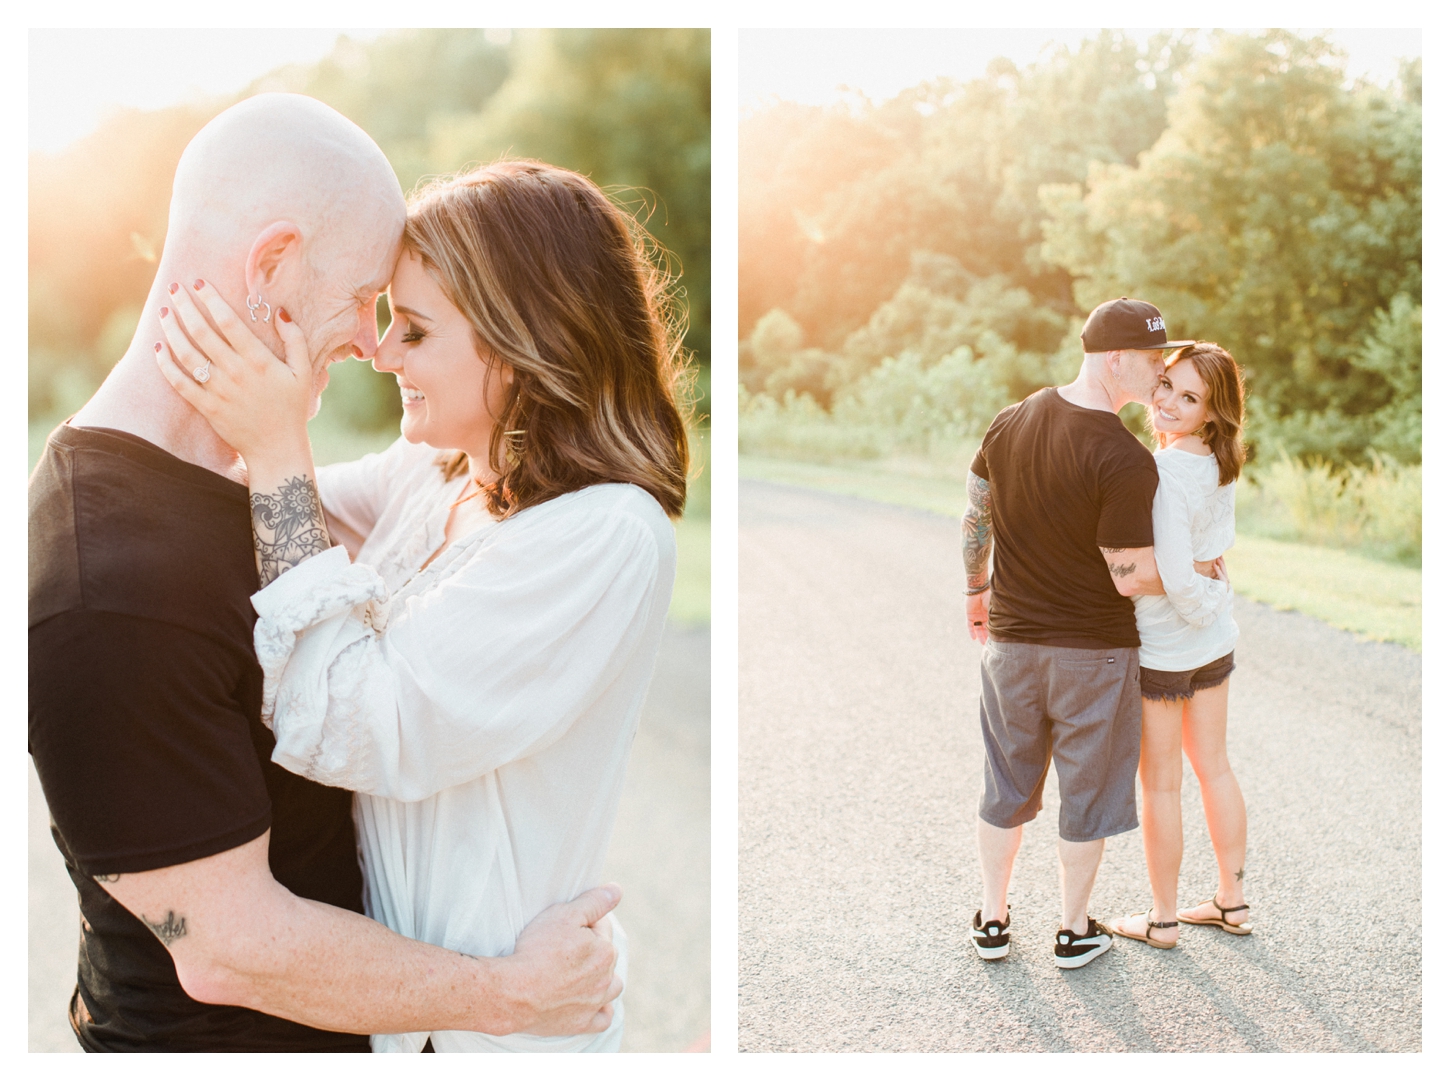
x=835 y=202
x=1279 y=215
x=97 y=217
x=690 y=602
x=797 y=427
x=774 y=361
x=1374 y=510
x=940 y=311
x=907 y=270
x=1392 y=352
x=403 y=88
x=629 y=108
x=890 y=266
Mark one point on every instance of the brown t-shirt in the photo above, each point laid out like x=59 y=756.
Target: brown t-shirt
x=1066 y=481
x=145 y=697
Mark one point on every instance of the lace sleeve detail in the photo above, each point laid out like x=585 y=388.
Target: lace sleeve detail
x=313 y=636
x=488 y=659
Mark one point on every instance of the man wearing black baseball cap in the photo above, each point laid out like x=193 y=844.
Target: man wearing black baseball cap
x=1061 y=501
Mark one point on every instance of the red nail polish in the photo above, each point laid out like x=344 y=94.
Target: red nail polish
x=282 y=315
x=165 y=312
x=199 y=284
x=158 y=347
x=173 y=287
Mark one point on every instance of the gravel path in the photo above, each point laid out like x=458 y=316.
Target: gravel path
x=660 y=855
x=860 y=769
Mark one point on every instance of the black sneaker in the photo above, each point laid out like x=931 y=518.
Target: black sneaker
x=992 y=941
x=1074 y=951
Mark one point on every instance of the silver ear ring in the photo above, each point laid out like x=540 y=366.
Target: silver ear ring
x=254 y=308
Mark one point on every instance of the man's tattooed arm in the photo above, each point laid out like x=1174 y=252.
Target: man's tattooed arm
x=288 y=526
x=977 y=531
x=1118 y=569
x=169 y=930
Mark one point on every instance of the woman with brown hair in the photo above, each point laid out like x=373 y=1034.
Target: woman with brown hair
x=1188 y=635
x=472 y=658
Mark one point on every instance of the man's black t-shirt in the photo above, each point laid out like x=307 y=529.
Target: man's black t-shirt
x=145 y=697
x=1066 y=481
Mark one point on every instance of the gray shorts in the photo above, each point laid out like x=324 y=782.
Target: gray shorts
x=1077 y=707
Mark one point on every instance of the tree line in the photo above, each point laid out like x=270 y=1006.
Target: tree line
x=925 y=261
x=629 y=108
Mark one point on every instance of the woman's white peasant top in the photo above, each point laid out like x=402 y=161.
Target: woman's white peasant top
x=482 y=708
x=1193 y=519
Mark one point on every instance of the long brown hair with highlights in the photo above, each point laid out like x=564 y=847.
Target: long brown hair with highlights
x=1223 y=430
x=563 y=286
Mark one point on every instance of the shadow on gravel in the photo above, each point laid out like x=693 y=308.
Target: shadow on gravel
x=1020 y=996
x=1293 y=985
x=1106 y=995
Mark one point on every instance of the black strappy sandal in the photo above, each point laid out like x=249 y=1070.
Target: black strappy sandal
x=1116 y=928
x=1221 y=921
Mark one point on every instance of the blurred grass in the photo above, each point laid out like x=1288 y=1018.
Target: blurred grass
x=690 y=605
x=1371 y=598
x=1373 y=510
x=1353 y=592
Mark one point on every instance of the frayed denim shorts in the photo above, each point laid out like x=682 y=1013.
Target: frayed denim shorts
x=1171 y=686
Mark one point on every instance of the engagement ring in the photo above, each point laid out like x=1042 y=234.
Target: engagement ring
x=202 y=374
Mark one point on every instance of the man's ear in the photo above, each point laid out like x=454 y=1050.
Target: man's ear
x=276 y=247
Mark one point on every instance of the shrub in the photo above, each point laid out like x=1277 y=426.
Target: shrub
x=1374 y=509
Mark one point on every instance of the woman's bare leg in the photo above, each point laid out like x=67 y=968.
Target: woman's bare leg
x=1205 y=738
x=1160 y=769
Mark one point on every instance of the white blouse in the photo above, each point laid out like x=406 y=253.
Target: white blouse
x=1193 y=519
x=482 y=708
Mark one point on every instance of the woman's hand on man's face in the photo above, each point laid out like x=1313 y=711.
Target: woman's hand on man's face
x=257 y=404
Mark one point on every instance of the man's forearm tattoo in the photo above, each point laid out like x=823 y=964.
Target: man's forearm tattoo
x=288 y=526
x=169 y=930
x=977 y=531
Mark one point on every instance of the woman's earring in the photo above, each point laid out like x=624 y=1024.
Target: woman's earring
x=515 y=446
x=254 y=308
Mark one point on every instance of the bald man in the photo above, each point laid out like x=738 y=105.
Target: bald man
x=220 y=895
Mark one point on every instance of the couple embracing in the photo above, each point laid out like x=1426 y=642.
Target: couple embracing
x=336 y=753
x=1096 y=585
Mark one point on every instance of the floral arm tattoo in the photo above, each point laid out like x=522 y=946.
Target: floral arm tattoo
x=977 y=531
x=288 y=526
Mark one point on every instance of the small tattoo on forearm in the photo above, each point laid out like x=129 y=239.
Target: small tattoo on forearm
x=107 y=878
x=288 y=527
x=1115 y=551
x=1120 y=570
x=169 y=930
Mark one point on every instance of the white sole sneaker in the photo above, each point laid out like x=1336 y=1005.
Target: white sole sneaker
x=993 y=940
x=1074 y=951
